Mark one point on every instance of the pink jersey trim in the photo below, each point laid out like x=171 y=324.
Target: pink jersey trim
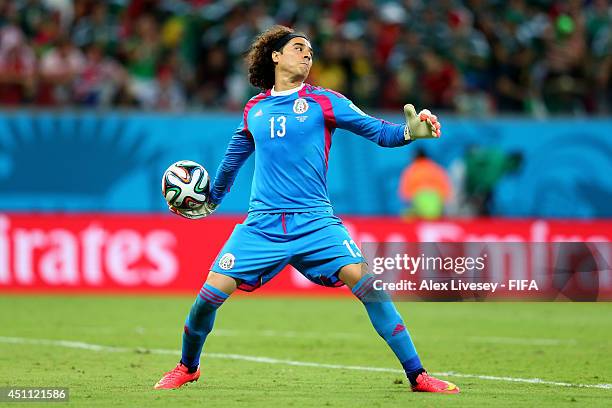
x=338 y=94
x=328 y=114
x=284 y=222
x=249 y=106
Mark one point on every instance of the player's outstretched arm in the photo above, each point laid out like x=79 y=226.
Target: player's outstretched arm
x=345 y=115
x=423 y=125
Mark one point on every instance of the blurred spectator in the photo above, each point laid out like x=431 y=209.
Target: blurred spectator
x=142 y=52
x=329 y=71
x=599 y=31
x=484 y=168
x=99 y=80
x=100 y=27
x=48 y=33
x=564 y=82
x=513 y=86
x=211 y=78
x=17 y=67
x=32 y=13
x=470 y=54
x=170 y=94
x=60 y=67
x=425 y=185
x=439 y=81
x=474 y=57
x=361 y=81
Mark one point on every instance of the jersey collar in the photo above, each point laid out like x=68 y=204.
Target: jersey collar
x=287 y=92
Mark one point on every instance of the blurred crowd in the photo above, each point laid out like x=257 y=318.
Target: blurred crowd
x=474 y=57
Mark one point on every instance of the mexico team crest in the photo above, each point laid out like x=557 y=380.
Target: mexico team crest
x=227 y=261
x=300 y=106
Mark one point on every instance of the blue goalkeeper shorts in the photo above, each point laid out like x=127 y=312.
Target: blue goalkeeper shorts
x=315 y=243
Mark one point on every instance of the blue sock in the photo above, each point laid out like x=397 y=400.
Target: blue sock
x=389 y=325
x=199 y=324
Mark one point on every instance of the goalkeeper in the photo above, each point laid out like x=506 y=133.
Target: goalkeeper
x=290 y=219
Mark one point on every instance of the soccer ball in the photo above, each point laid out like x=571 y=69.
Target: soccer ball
x=185 y=185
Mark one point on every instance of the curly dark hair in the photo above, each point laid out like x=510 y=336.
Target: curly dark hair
x=259 y=56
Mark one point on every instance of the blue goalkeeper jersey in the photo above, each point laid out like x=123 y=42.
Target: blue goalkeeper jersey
x=291 y=133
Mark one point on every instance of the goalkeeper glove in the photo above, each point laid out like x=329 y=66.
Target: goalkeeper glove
x=425 y=125
x=195 y=213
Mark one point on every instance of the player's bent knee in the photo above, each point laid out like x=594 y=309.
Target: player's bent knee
x=224 y=283
x=352 y=273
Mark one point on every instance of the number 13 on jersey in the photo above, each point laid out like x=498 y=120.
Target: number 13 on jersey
x=280 y=120
x=354 y=253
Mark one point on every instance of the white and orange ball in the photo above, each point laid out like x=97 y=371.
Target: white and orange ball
x=185 y=185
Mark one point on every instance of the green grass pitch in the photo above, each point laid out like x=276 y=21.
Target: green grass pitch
x=50 y=341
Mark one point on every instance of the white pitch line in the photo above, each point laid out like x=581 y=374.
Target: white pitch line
x=269 y=360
